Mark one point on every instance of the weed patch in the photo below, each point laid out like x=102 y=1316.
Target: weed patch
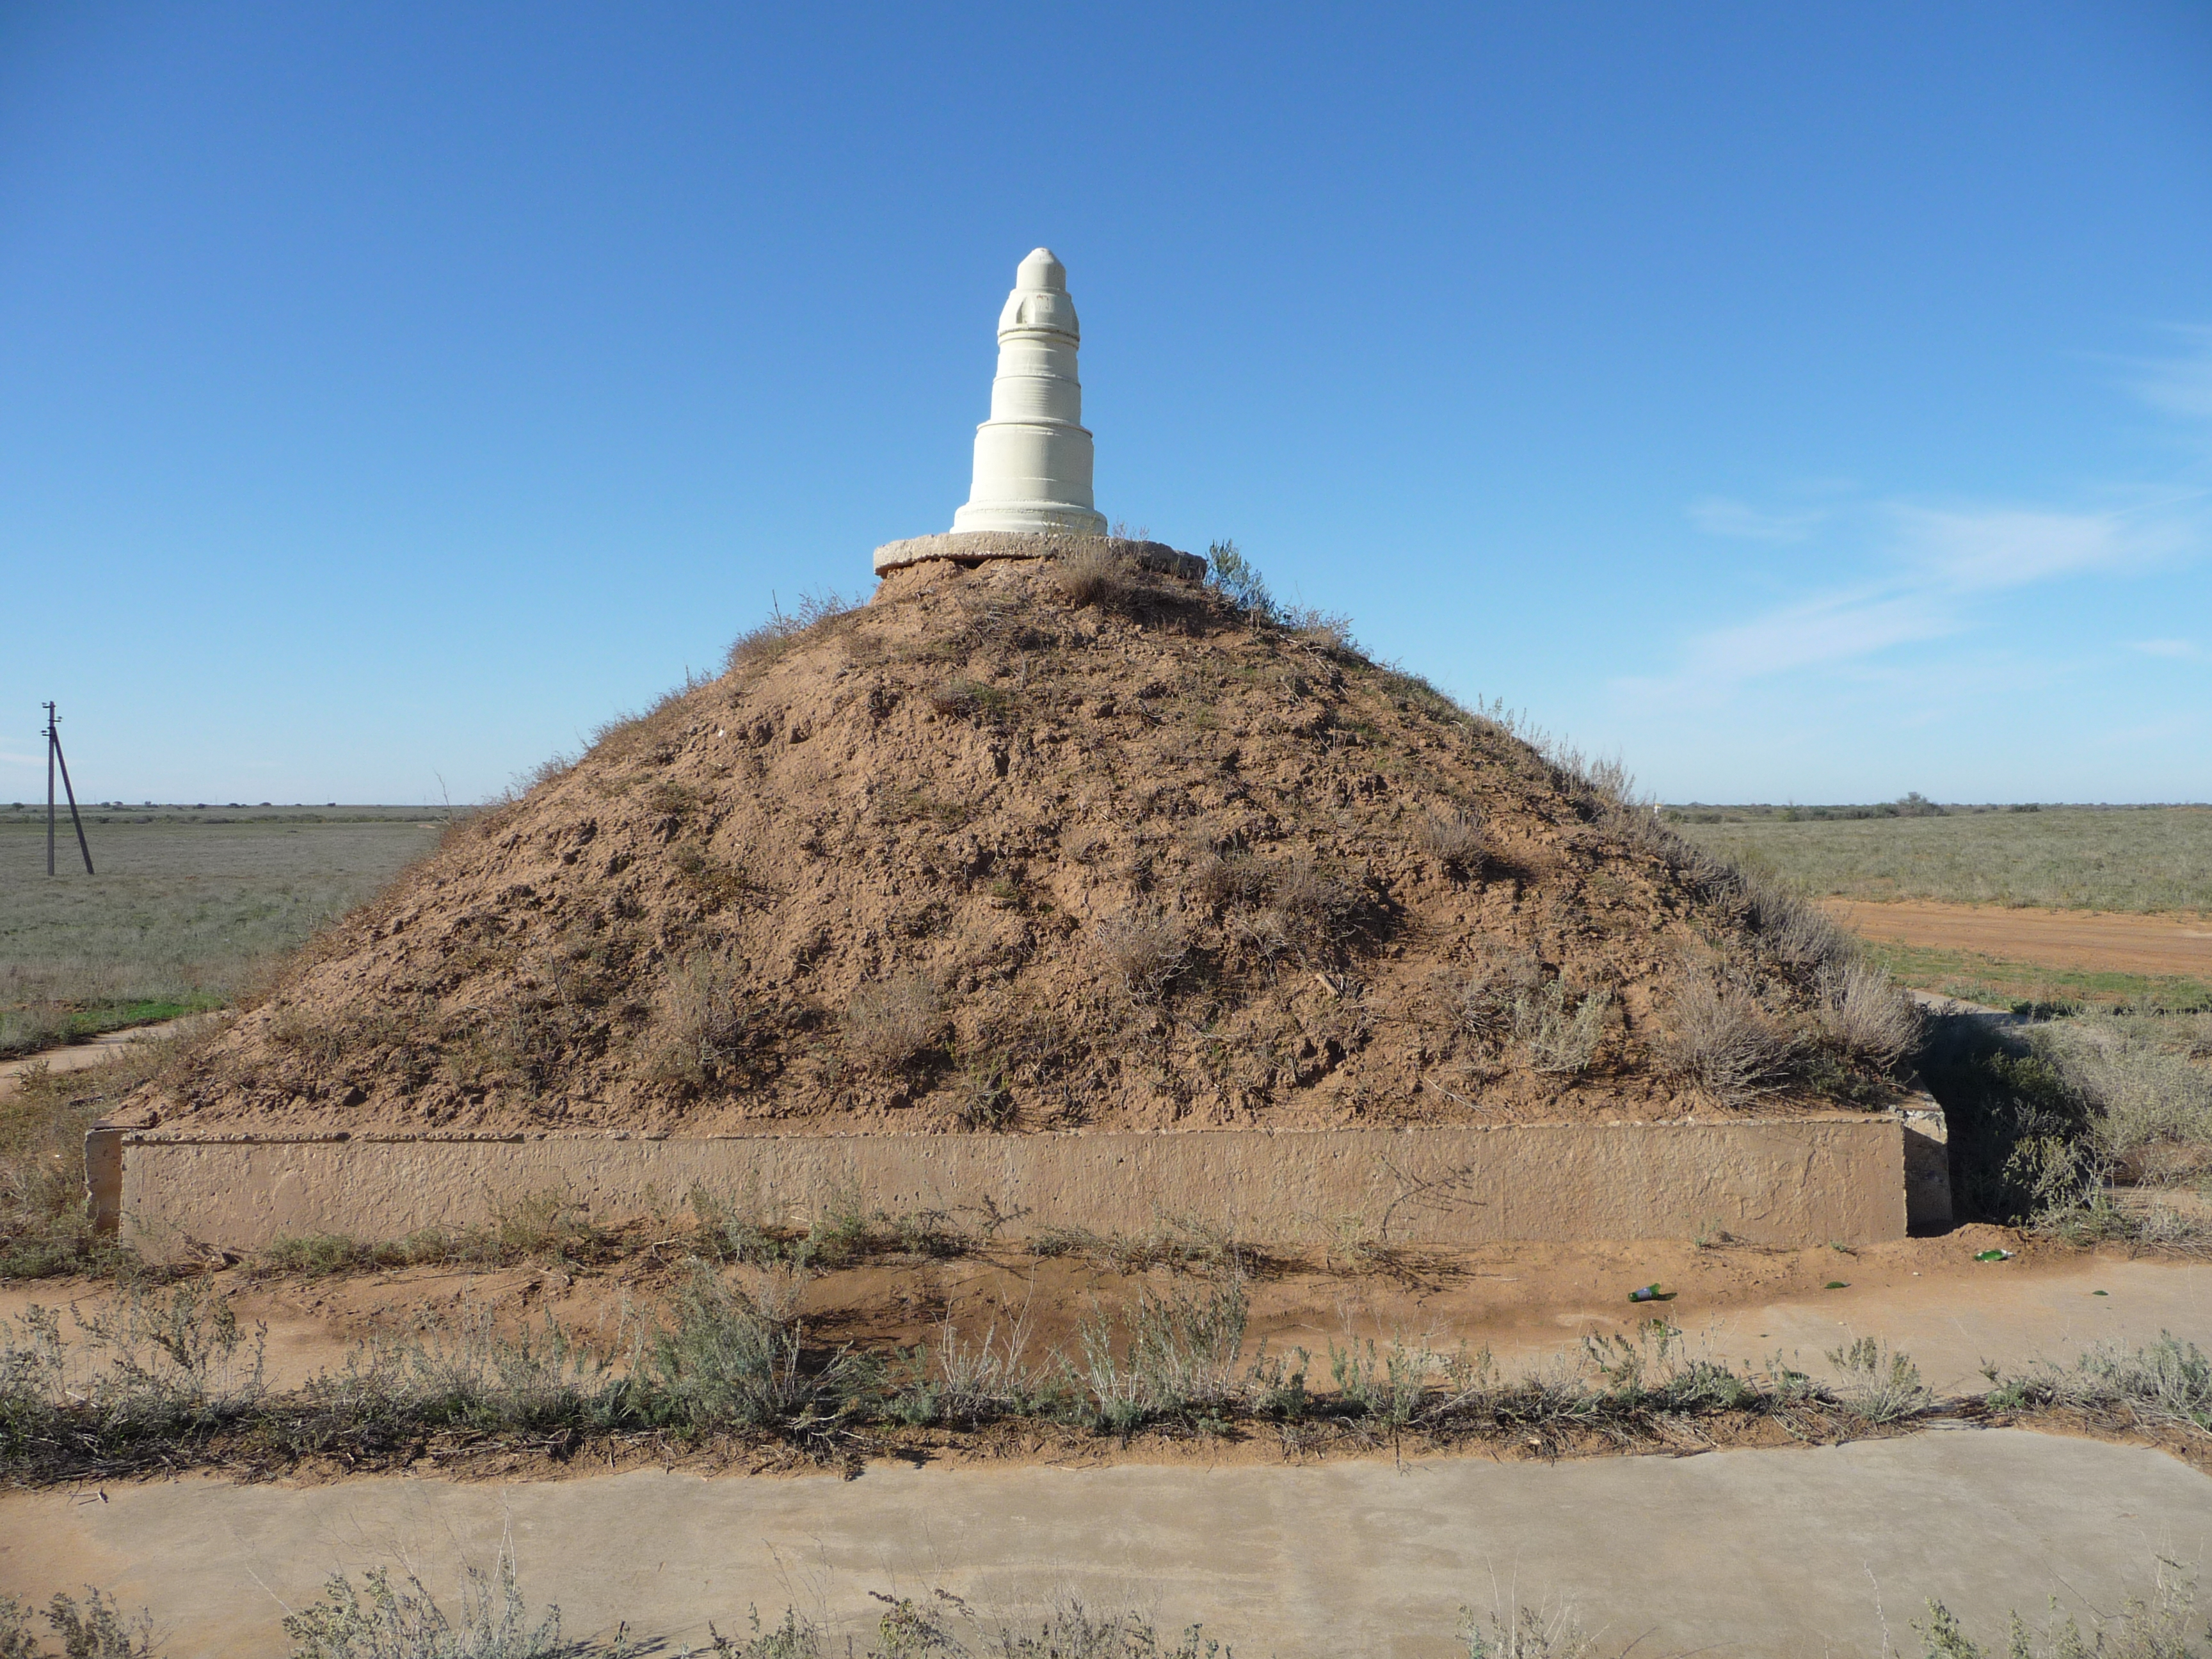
x=889 y=1023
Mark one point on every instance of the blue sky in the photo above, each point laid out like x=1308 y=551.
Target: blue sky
x=1800 y=403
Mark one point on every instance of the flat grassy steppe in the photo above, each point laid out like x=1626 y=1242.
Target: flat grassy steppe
x=1999 y=982
x=2097 y=858
x=189 y=904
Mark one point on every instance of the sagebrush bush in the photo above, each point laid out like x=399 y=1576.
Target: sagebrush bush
x=1869 y=1018
x=96 y=1629
x=1145 y=953
x=1881 y=1385
x=1718 y=1038
x=379 y=1620
x=2150 y=1111
x=1490 y=1001
x=1560 y=1031
x=1091 y=573
x=1507 y=1000
x=703 y=1023
x=1456 y=841
x=1791 y=930
x=1167 y=1356
x=888 y=1024
x=986 y=1103
x=732 y=1354
x=2169 y=1382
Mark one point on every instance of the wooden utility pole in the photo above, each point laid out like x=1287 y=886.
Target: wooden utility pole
x=53 y=755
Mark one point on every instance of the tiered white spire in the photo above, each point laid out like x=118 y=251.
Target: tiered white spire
x=1033 y=455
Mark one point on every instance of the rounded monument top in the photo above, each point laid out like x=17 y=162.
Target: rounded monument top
x=1042 y=270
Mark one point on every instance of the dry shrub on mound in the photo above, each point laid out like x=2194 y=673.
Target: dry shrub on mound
x=1263 y=931
x=1490 y=998
x=1144 y=952
x=1866 y=1017
x=1560 y=1031
x=965 y=699
x=1790 y=929
x=1092 y=572
x=1320 y=905
x=703 y=1026
x=1507 y=1001
x=1230 y=877
x=757 y=647
x=1456 y=841
x=1720 y=1039
x=890 y=1022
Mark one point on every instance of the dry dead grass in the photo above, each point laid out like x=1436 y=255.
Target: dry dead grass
x=1144 y=953
x=1866 y=1017
x=1456 y=841
x=1719 y=1039
x=889 y=1023
x=1094 y=574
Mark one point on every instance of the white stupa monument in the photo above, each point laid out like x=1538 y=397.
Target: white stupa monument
x=1030 y=495
x=1033 y=455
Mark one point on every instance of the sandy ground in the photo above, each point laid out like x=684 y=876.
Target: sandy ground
x=1812 y=1551
x=1756 y=1551
x=2090 y=939
x=1529 y=1304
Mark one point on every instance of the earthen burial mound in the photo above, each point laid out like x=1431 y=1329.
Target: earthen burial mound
x=1048 y=845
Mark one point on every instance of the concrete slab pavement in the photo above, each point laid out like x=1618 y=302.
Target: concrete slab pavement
x=1814 y=1550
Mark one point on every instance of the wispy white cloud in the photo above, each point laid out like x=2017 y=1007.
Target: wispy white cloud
x=1941 y=561
x=1983 y=549
x=2164 y=648
x=1720 y=515
x=2180 y=386
x=1829 y=628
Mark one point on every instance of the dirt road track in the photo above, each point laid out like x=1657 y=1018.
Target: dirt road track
x=2094 y=940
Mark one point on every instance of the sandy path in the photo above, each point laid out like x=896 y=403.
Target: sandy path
x=2092 y=940
x=95 y=1051
x=1814 y=1550
x=1741 y=1551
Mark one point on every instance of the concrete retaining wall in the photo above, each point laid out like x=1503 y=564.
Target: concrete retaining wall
x=1798 y=1181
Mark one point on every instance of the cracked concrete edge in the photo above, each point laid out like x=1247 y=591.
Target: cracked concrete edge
x=973 y=546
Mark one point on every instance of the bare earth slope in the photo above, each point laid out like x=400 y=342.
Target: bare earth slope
x=976 y=855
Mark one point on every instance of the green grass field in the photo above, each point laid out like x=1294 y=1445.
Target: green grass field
x=1995 y=982
x=2140 y=858
x=188 y=906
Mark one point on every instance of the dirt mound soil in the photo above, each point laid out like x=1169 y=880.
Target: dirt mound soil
x=1042 y=846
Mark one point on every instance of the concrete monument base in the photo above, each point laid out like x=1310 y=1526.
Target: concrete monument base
x=973 y=546
x=1781 y=1182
